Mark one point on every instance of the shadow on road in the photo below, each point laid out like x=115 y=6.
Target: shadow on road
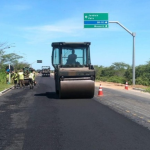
x=48 y=95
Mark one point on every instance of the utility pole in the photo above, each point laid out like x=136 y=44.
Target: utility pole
x=133 y=58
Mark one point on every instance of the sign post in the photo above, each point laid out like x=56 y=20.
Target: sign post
x=96 y=20
x=100 y=20
x=133 y=57
x=9 y=69
x=9 y=75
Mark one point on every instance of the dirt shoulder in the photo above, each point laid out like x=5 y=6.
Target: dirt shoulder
x=117 y=85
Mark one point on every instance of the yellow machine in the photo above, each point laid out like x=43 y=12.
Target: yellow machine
x=74 y=75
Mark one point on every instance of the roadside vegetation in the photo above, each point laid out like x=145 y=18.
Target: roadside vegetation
x=120 y=72
x=5 y=86
x=5 y=60
x=147 y=90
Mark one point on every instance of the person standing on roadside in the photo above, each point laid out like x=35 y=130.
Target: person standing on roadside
x=26 y=74
x=31 y=78
x=15 y=78
x=34 y=78
x=21 y=78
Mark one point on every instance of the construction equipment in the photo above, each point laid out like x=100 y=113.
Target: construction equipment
x=26 y=71
x=74 y=75
x=45 y=71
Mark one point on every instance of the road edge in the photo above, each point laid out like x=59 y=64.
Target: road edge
x=6 y=90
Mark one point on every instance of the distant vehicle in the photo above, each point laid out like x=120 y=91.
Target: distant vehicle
x=45 y=71
x=74 y=75
x=39 y=70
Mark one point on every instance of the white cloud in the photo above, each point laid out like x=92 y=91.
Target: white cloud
x=64 y=28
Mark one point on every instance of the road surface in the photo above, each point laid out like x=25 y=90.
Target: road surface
x=38 y=120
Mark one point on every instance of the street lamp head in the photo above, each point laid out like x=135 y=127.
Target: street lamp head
x=133 y=33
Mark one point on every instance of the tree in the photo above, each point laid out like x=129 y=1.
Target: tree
x=128 y=75
x=3 y=46
x=98 y=70
x=120 y=68
x=20 y=65
x=11 y=58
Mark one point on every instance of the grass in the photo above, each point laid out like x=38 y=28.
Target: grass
x=147 y=90
x=4 y=86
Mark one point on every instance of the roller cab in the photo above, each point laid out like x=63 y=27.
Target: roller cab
x=74 y=75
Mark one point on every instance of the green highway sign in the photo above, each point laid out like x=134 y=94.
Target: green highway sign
x=95 y=26
x=96 y=20
x=95 y=16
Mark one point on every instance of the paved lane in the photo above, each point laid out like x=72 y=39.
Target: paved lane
x=133 y=104
x=37 y=120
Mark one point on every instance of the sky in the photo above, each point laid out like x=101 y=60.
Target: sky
x=30 y=26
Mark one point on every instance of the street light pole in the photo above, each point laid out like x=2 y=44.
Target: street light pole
x=133 y=63
x=133 y=57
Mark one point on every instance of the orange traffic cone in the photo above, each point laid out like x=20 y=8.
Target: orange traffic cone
x=126 y=86
x=100 y=91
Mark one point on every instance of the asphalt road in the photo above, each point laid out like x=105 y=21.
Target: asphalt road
x=38 y=120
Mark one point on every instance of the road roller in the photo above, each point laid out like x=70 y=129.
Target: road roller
x=73 y=73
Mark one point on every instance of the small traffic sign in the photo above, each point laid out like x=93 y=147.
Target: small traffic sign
x=96 y=26
x=39 y=61
x=9 y=70
x=96 y=20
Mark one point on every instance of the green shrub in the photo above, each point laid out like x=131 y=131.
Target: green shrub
x=102 y=78
x=117 y=79
x=147 y=89
x=142 y=81
x=2 y=76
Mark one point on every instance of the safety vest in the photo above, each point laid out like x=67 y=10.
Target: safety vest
x=15 y=76
x=31 y=75
x=34 y=76
x=7 y=76
x=21 y=76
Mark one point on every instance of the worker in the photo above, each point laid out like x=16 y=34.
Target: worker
x=31 y=79
x=15 y=78
x=26 y=74
x=12 y=76
x=21 y=78
x=72 y=58
x=34 y=82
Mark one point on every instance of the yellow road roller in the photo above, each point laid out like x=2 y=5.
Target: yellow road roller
x=73 y=73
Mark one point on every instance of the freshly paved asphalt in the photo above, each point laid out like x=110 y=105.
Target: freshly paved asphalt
x=38 y=120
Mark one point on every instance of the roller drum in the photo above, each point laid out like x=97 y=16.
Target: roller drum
x=77 y=89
